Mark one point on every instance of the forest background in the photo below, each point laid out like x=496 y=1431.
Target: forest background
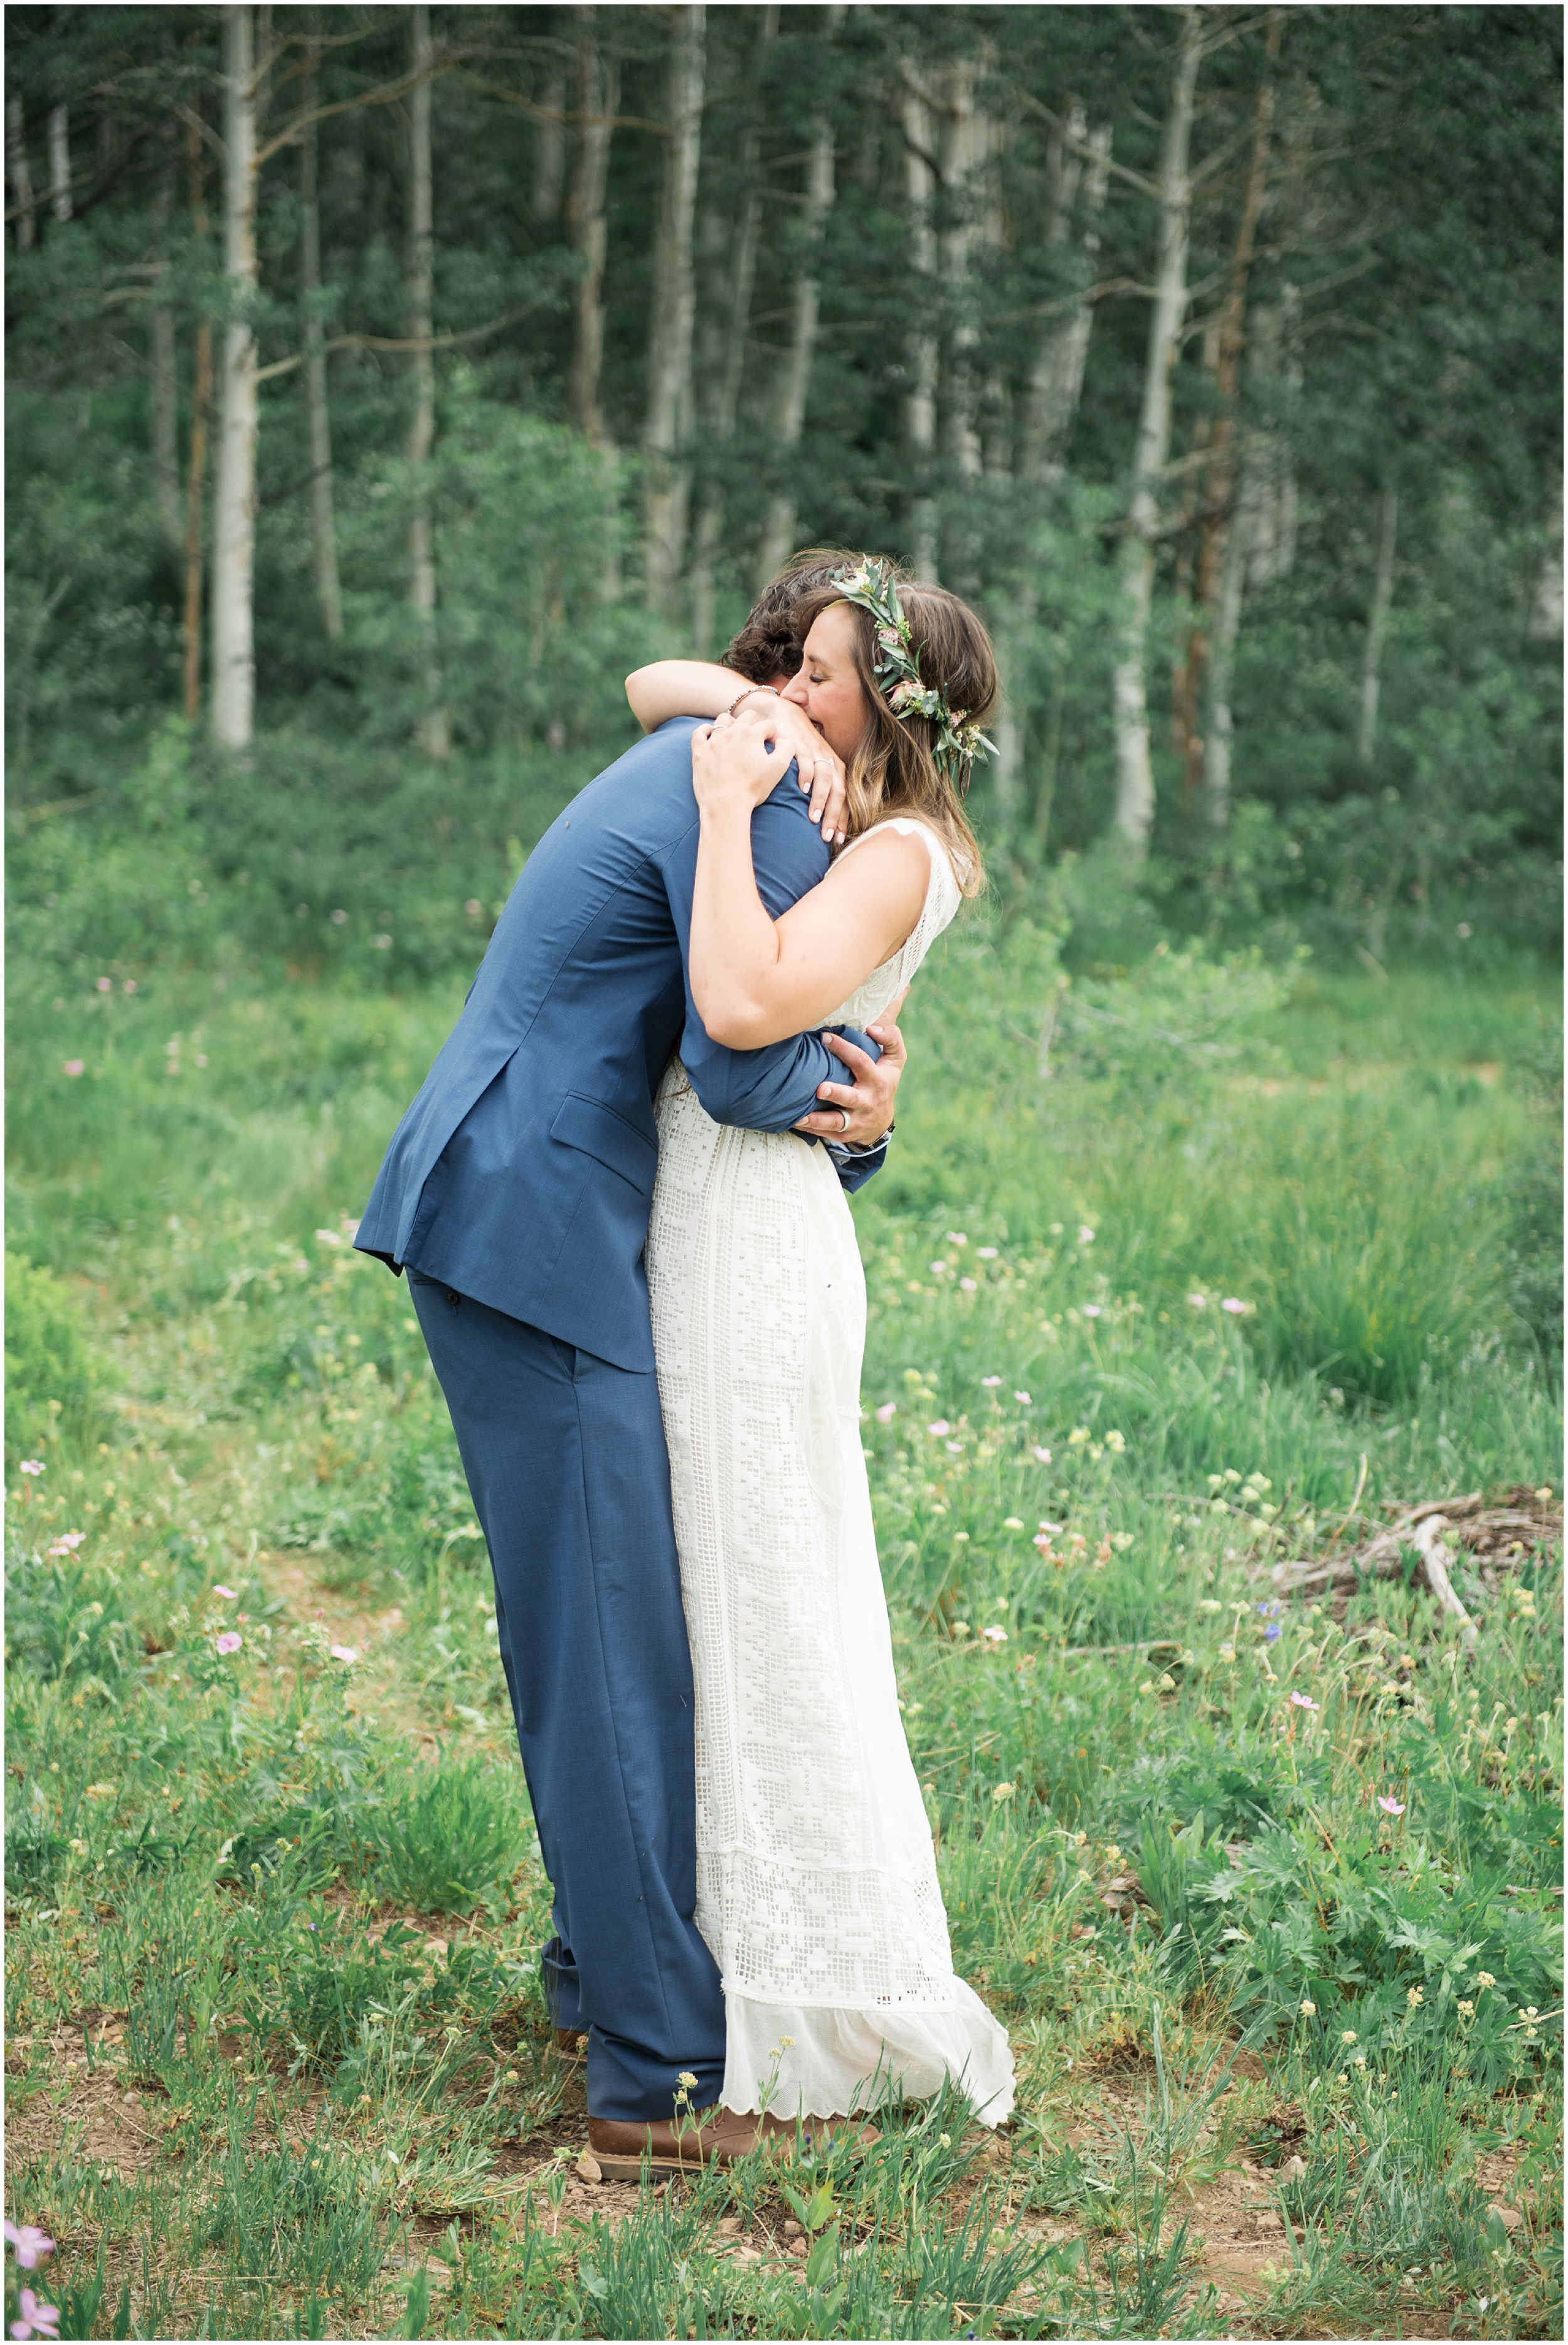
x=382 y=385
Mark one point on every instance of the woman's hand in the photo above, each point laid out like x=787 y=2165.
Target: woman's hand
x=821 y=772
x=741 y=760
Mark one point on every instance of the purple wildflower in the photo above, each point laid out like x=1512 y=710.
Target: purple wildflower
x=230 y=1642
x=37 y=2320
x=1271 y=1632
x=31 y=2244
x=1303 y=1702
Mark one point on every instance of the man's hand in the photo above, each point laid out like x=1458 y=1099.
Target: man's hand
x=866 y=1101
x=821 y=772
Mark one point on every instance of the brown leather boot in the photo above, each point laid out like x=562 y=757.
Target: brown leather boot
x=713 y=2136
x=821 y=2132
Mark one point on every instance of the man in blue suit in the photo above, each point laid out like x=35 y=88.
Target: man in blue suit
x=516 y=1193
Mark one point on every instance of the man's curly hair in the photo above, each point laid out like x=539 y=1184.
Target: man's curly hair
x=769 y=645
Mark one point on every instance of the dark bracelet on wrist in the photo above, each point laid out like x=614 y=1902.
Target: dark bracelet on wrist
x=869 y=1147
x=747 y=694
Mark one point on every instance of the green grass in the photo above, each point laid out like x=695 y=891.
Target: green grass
x=289 y=1897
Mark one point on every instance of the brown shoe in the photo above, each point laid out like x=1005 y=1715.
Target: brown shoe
x=821 y=2132
x=571 y=2044
x=713 y=2137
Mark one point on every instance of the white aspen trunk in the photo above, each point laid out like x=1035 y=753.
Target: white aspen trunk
x=1129 y=694
x=1278 y=357
x=667 y=477
x=60 y=162
x=733 y=301
x=196 y=469
x=433 y=732
x=17 y=171
x=234 y=496
x=165 y=382
x=1225 y=631
x=1377 y=627
x=920 y=401
x=1056 y=378
x=598 y=98
x=961 y=133
x=1545 y=623
x=550 y=150
x=323 y=532
x=795 y=379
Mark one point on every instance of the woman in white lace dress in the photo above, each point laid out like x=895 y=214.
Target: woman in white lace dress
x=816 y=1880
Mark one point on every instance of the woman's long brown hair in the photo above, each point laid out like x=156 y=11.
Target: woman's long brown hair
x=892 y=770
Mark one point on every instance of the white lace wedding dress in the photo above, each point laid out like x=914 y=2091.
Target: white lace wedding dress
x=816 y=1882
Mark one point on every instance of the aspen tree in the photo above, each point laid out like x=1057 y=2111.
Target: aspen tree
x=60 y=162
x=1130 y=700
x=921 y=359
x=667 y=478
x=163 y=375
x=788 y=417
x=195 y=459
x=550 y=150
x=1377 y=625
x=597 y=96
x=17 y=171
x=234 y=495
x=318 y=416
x=434 y=732
x=1079 y=173
x=729 y=315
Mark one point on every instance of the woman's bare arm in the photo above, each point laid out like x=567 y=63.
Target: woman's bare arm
x=755 y=980
x=680 y=687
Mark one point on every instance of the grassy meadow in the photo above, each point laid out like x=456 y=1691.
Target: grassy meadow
x=1178 y=1272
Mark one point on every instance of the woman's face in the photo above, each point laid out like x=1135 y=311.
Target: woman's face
x=828 y=686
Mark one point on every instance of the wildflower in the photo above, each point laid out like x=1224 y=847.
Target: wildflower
x=1043 y=1456
x=1078 y=1436
x=995 y=1635
x=1414 y=1996
x=230 y=1642
x=1086 y=1236
x=686 y=2079
x=1209 y=1604
x=1271 y=1633
x=79 y=1848
x=1483 y=1978
x=1012 y=1523
x=102 y=1790
x=33 y=1465
x=989 y=1384
x=956 y=1237
x=1235 y=1308
x=1390 y=1807
x=887 y=1412
x=129 y=986
x=1003 y=1793
x=227 y=1594
x=968 y=1285
x=954 y=1449
x=960 y=1628
x=1115 y=1440
x=1198 y=1302
x=343 y=1652
x=1359 y=2061
x=1303 y=1702
x=1121 y=1541
x=939 y=1428
x=1112 y=1852
x=68 y=1543
x=1090 y=1310
x=1023 y=1399
x=1466 y=2010
x=943 y=2141
x=987 y=1254
x=37 y=2320
x=1309 y=2010
x=1348 y=2036
x=1228 y=1653
x=938 y=1269
x=31 y=2244
x=106 y=985
x=76 y=1066
x=1530 y=2012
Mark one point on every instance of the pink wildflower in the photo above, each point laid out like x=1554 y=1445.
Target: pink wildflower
x=1090 y=1310
x=1303 y=1702
x=939 y=1428
x=995 y=1635
x=37 y=2320
x=31 y=2244
x=106 y=985
x=990 y=1383
x=1198 y=1302
x=1390 y=1807
x=230 y=1642
x=1023 y=1399
x=968 y=1285
x=76 y=1066
x=887 y=1412
x=227 y=1594
x=1235 y=1308
x=33 y=1466
x=344 y=1652
x=1044 y=1456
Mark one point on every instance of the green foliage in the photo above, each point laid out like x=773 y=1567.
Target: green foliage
x=51 y=1387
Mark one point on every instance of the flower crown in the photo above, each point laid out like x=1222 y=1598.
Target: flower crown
x=958 y=742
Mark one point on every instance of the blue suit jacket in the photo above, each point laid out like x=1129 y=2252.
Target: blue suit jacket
x=523 y=1172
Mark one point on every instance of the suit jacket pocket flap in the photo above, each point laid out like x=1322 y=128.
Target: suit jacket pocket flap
x=602 y=1134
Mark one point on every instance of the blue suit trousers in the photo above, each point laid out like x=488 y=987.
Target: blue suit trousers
x=566 y=1462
